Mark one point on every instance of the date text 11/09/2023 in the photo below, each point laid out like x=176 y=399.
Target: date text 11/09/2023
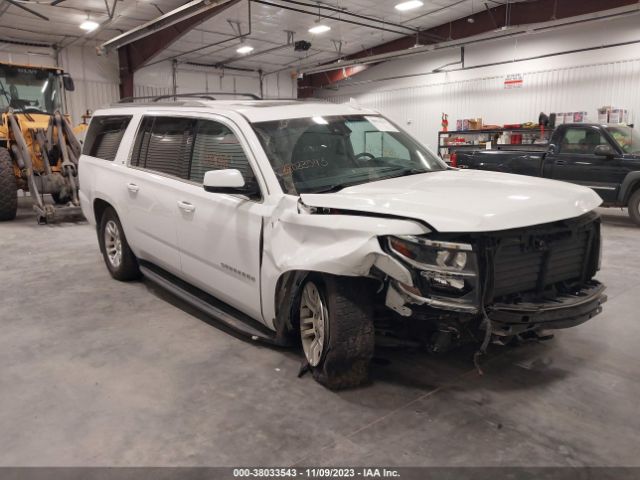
x=364 y=472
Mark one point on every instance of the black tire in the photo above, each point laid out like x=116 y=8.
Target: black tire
x=634 y=207
x=8 y=187
x=349 y=337
x=58 y=200
x=127 y=268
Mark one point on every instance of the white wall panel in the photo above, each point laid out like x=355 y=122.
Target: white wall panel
x=565 y=83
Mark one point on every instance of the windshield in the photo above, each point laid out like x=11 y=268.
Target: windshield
x=326 y=154
x=31 y=90
x=626 y=137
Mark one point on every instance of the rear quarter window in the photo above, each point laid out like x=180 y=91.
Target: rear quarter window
x=104 y=136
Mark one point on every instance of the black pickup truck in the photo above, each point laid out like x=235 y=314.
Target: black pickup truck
x=605 y=158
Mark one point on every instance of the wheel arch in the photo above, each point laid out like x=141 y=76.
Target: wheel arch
x=288 y=287
x=630 y=184
x=99 y=207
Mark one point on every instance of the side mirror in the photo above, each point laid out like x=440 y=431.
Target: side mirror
x=67 y=81
x=604 y=151
x=229 y=181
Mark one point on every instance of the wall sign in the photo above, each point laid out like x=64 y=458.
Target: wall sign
x=514 y=80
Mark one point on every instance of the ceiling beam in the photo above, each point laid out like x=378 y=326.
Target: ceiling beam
x=490 y=19
x=134 y=53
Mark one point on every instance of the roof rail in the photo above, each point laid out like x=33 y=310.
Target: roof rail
x=175 y=96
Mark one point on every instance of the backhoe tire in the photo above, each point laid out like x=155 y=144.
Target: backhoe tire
x=634 y=207
x=118 y=257
x=8 y=187
x=58 y=200
x=343 y=357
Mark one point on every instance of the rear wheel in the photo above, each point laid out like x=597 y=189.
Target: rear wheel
x=120 y=260
x=634 y=207
x=8 y=187
x=336 y=330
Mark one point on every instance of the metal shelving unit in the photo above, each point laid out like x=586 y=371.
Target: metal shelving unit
x=477 y=139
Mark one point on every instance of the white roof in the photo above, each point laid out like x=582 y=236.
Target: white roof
x=253 y=110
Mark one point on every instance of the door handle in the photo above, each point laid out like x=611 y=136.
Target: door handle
x=186 y=206
x=133 y=187
x=560 y=162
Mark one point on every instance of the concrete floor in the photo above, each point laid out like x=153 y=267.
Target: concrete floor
x=98 y=372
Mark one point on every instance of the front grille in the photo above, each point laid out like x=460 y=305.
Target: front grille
x=527 y=262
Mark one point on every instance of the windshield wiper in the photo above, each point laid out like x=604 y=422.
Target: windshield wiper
x=330 y=188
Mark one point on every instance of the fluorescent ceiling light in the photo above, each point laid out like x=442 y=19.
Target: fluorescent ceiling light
x=245 y=49
x=319 y=29
x=89 y=25
x=410 y=5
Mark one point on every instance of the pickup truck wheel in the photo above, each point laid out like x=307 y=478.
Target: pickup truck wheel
x=336 y=330
x=634 y=207
x=8 y=187
x=120 y=260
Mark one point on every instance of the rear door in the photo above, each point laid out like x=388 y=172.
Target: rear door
x=576 y=162
x=159 y=169
x=220 y=234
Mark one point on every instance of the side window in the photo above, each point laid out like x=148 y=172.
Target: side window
x=104 y=136
x=217 y=148
x=164 y=145
x=581 y=141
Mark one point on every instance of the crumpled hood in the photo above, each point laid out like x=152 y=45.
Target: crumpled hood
x=465 y=200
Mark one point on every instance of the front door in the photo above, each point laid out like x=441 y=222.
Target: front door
x=219 y=234
x=576 y=162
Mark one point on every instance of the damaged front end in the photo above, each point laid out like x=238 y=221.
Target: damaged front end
x=511 y=282
x=442 y=289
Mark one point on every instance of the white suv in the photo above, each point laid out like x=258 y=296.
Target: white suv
x=326 y=224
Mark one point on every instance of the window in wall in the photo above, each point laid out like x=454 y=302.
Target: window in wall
x=582 y=141
x=216 y=147
x=104 y=136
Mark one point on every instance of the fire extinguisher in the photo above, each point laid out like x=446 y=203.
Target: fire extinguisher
x=445 y=122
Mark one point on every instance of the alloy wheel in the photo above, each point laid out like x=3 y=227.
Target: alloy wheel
x=313 y=322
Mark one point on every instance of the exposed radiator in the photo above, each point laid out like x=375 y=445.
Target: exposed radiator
x=531 y=263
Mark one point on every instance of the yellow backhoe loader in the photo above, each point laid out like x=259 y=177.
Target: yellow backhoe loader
x=39 y=149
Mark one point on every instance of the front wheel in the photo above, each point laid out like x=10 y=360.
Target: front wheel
x=8 y=187
x=60 y=199
x=120 y=260
x=634 y=207
x=336 y=330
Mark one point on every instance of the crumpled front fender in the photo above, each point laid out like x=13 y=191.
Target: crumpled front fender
x=328 y=243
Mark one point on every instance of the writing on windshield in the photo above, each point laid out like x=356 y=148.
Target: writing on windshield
x=324 y=154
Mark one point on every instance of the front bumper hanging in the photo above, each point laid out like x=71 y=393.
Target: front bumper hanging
x=563 y=312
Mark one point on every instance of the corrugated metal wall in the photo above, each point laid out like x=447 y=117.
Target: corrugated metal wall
x=582 y=88
x=90 y=95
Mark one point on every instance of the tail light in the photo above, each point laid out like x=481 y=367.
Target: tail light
x=453 y=159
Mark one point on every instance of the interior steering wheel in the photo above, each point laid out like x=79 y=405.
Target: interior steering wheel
x=366 y=155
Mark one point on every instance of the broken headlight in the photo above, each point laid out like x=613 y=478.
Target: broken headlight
x=443 y=268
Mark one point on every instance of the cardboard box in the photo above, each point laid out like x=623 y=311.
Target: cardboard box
x=618 y=115
x=475 y=124
x=579 y=117
x=603 y=114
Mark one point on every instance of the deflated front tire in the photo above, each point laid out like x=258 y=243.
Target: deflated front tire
x=336 y=329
